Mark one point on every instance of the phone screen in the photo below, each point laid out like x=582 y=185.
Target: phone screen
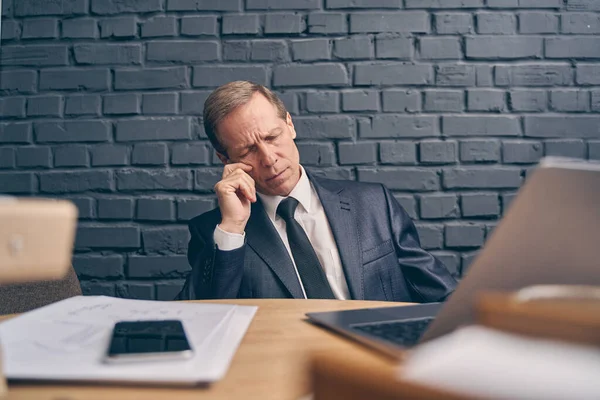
x=141 y=340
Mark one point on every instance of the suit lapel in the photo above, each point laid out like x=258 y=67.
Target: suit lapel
x=340 y=214
x=266 y=242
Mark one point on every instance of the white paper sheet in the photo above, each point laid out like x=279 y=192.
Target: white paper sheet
x=68 y=340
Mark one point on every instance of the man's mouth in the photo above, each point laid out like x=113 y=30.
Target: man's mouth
x=275 y=176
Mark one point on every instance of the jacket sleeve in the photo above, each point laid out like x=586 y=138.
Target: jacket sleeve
x=427 y=278
x=215 y=274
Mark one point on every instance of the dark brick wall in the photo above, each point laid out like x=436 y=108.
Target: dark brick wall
x=448 y=102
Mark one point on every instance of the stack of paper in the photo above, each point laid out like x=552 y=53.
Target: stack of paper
x=68 y=340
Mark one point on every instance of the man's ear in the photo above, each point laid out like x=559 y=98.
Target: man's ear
x=290 y=125
x=223 y=158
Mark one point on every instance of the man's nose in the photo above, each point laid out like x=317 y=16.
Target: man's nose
x=267 y=156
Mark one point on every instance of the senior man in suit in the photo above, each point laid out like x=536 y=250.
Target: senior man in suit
x=281 y=232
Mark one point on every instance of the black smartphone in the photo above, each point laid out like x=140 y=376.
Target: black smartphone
x=153 y=340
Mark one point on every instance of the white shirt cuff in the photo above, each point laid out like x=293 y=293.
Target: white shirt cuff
x=227 y=241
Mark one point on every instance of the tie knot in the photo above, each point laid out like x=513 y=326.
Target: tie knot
x=287 y=208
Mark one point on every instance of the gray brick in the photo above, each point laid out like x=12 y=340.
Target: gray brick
x=483 y=150
x=11 y=30
x=65 y=79
x=503 y=47
x=521 y=152
x=154 y=180
x=525 y=3
x=354 y=48
x=7 y=158
x=115 y=208
x=140 y=291
x=572 y=47
x=430 y=236
x=444 y=3
x=209 y=76
x=153 y=129
x=584 y=126
x=74 y=182
x=236 y=50
x=464 y=235
x=393 y=47
x=398 y=153
x=204 y=5
x=121 y=104
x=44 y=7
x=86 y=207
x=396 y=22
x=149 y=154
x=190 y=208
x=169 y=266
x=317 y=154
x=34 y=55
x=72 y=131
x=34 y=157
x=334 y=127
x=311 y=50
x=453 y=23
x=82 y=105
x=401 y=178
x=484 y=76
x=240 y=24
x=17 y=182
x=201 y=25
x=398 y=126
x=40 y=28
x=357 y=153
x=588 y=74
x=190 y=153
x=165 y=240
x=159 y=103
x=401 y=100
x=7 y=8
x=125 y=6
x=193 y=102
x=151 y=78
x=310 y=75
x=581 y=23
x=117 y=237
x=94 y=288
x=450 y=260
x=527 y=100
x=496 y=23
x=182 y=51
x=106 y=155
x=444 y=100
x=486 y=100
x=392 y=74
x=595 y=100
x=575 y=100
x=102 y=267
x=168 y=290
x=120 y=27
x=455 y=75
x=71 y=156
x=481 y=177
x=79 y=28
x=269 y=50
x=538 y=22
x=12 y=107
x=565 y=148
x=160 y=27
x=14 y=132
x=364 y=4
x=278 y=23
x=327 y=23
x=322 y=102
x=438 y=152
x=279 y=5
x=155 y=210
x=594 y=150
x=439 y=48
x=439 y=206
x=467 y=125
x=409 y=204
x=360 y=100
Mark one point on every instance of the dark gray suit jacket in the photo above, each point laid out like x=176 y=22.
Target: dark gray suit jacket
x=377 y=241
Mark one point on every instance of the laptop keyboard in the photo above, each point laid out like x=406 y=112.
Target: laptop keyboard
x=402 y=333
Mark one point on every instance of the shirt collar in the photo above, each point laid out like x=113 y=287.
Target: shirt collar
x=301 y=192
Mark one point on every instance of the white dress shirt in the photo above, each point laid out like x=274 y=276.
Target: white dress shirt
x=311 y=216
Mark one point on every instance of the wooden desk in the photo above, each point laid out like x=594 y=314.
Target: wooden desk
x=272 y=362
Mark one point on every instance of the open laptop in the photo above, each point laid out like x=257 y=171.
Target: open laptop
x=550 y=235
x=36 y=238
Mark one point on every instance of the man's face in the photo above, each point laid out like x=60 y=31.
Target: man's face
x=255 y=135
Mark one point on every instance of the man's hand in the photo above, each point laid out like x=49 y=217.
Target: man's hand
x=235 y=192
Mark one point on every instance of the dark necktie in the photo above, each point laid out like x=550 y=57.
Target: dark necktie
x=312 y=275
